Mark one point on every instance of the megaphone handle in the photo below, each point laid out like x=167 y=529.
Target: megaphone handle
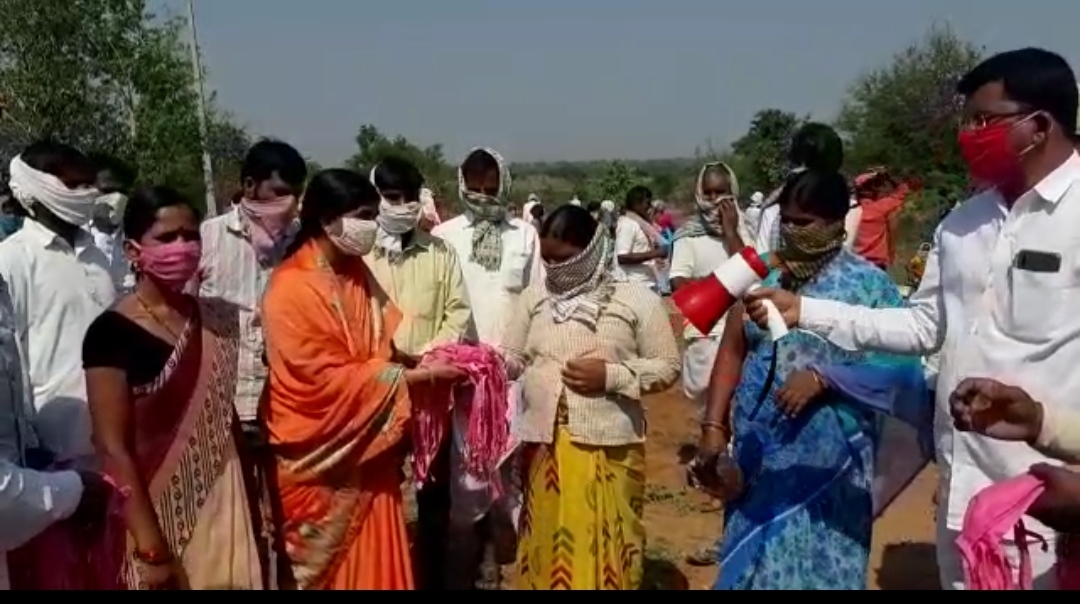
x=775 y=321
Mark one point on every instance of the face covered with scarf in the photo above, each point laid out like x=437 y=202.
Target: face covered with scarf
x=716 y=185
x=812 y=211
x=576 y=276
x=483 y=185
x=71 y=205
x=267 y=212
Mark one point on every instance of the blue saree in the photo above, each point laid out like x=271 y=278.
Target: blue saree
x=804 y=520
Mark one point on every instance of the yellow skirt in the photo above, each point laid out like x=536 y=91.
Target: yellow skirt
x=582 y=526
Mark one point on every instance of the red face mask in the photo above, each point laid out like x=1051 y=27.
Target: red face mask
x=989 y=155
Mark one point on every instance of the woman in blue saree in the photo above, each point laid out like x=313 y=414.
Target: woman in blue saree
x=793 y=457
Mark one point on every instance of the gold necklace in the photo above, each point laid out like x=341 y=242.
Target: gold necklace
x=155 y=317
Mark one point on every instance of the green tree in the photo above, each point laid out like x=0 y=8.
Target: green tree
x=761 y=153
x=108 y=76
x=613 y=182
x=905 y=115
x=374 y=146
x=54 y=81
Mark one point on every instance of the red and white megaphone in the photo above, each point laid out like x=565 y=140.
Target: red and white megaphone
x=705 y=301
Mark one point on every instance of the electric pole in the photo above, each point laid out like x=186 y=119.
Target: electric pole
x=200 y=94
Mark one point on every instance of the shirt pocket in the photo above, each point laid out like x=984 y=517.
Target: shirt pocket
x=515 y=271
x=1040 y=302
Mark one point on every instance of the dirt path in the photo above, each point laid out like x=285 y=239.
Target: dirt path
x=679 y=520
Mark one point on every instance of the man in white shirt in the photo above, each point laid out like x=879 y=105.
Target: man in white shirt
x=1001 y=286
x=240 y=249
x=706 y=241
x=59 y=283
x=31 y=501
x=114 y=181
x=637 y=244
x=500 y=257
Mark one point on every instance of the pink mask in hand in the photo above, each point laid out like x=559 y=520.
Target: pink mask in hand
x=170 y=264
x=993 y=516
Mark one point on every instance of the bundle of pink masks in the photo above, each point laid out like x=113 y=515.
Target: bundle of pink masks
x=991 y=515
x=71 y=557
x=483 y=396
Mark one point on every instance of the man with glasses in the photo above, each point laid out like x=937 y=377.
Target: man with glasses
x=1001 y=286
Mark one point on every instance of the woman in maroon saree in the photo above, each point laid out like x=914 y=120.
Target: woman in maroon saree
x=160 y=372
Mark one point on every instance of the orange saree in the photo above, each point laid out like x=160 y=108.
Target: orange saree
x=336 y=417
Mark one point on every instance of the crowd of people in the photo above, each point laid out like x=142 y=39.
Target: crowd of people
x=229 y=403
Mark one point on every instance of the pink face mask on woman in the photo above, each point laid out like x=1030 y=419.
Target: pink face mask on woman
x=170 y=264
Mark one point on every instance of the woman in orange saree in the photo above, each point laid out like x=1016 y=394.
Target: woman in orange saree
x=339 y=405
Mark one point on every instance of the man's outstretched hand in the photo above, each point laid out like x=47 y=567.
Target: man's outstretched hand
x=786 y=302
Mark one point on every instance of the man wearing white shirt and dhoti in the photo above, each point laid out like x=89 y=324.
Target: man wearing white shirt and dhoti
x=1001 y=286
x=499 y=257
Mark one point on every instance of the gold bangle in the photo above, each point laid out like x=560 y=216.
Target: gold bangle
x=817 y=379
x=715 y=425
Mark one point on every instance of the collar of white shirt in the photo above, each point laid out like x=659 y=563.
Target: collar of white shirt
x=1057 y=183
x=46 y=238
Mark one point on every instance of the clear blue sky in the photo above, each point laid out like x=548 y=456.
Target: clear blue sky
x=565 y=80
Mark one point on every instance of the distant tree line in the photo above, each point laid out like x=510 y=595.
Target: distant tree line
x=109 y=76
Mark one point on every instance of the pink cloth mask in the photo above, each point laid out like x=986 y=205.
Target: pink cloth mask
x=992 y=513
x=267 y=221
x=171 y=264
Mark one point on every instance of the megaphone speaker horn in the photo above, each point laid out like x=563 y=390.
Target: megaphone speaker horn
x=705 y=301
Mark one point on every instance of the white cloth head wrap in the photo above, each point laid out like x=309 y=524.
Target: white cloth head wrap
x=73 y=206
